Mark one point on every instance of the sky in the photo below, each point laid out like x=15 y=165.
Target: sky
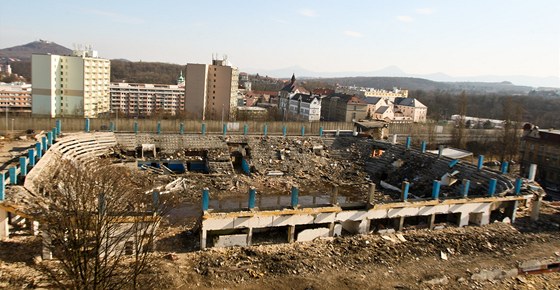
x=458 y=38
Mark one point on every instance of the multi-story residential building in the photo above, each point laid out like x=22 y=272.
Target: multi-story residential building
x=541 y=147
x=304 y=107
x=211 y=90
x=15 y=98
x=137 y=100
x=343 y=108
x=73 y=85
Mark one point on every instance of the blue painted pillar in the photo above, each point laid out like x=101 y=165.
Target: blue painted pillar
x=58 y=127
x=111 y=127
x=465 y=187
x=480 y=162
x=435 y=189
x=252 y=197
x=408 y=140
x=159 y=127
x=302 y=130
x=155 y=199
x=321 y=131
x=2 y=185
x=518 y=183
x=504 y=168
x=23 y=166
x=404 y=192
x=224 y=130
x=453 y=163
x=492 y=186
x=31 y=157
x=53 y=131
x=265 y=130
x=49 y=138
x=205 y=199
x=295 y=197
x=203 y=129
x=87 y=125
x=13 y=175
x=45 y=145
x=423 y=147
x=135 y=127
x=284 y=131
x=38 y=150
x=181 y=128
x=245 y=129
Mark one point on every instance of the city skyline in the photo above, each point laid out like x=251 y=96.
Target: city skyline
x=420 y=37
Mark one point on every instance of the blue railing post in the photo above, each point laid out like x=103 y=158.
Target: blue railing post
x=284 y=131
x=423 y=147
x=302 y=130
x=205 y=199
x=111 y=127
x=49 y=138
x=252 y=197
x=408 y=141
x=480 y=162
x=435 y=189
x=492 y=186
x=518 y=183
x=87 y=125
x=321 y=131
x=181 y=128
x=224 y=130
x=295 y=197
x=245 y=129
x=39 y=150
x=135 y=127
x=265 y=130
x=465 y=187
x=504 y=168
x=203 y=129
x=58 y=127
x=2 y=185
x=159 y=127
x=453 y=163
x=45 y=144
x=31 y=157
x=13 y=175
x=23 y=166
x=53 y=131
x=404 y=192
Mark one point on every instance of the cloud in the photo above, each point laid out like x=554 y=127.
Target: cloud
x=424 y=11
x=115 y=17
x=353 y=33
x=405 y=18
x=307 y=12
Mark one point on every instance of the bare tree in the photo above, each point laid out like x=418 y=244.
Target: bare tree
x=100 y=223
x=512 y=113
x=459 y=132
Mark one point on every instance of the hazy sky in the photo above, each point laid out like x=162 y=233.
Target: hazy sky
x=460 y=38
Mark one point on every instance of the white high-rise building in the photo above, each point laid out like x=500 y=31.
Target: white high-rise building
x=73 y=85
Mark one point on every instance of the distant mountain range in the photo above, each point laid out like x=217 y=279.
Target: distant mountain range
x=394 y=71
x=24 y=52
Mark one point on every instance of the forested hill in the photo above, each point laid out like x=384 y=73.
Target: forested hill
x=145 y=72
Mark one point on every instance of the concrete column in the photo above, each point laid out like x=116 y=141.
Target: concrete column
x=492 y=186
x=31 y=157
x=39 y=150
x=33 y=226
x=532 y=172
x=203 y=129
x=265 y=129
x=181 y=128
x=408 y=141
x=371 y=194
x=440 y=151
x=86 y=129
x=536 y=207
x=518 y=184
x=203 y=239
x=464 y=219
x=399 y=223
x=252 y=197
x=205 y=199
x=245 y=129
x=13 y=175
x=334 y=195
x=284 y=131
x=135 y=127
x=2 y=186
x=302 y=130
x=295 y=197
x=291 y=233
x=331 y=229
x=465 y=187
x=394 y=141
x=511 y=210
x=404 y=190
x=321 y=131
x=423 y=147
x=249 y=236
x=23 y=166
x=480 y=162
x=435 y=189
x=4 y=225
x=45 y=144
x=432 y=221
x=338 y=133
x=504 y=168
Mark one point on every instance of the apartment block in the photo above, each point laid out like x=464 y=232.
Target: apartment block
x=73 y=85
x=143 y=100
x=15 y=98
